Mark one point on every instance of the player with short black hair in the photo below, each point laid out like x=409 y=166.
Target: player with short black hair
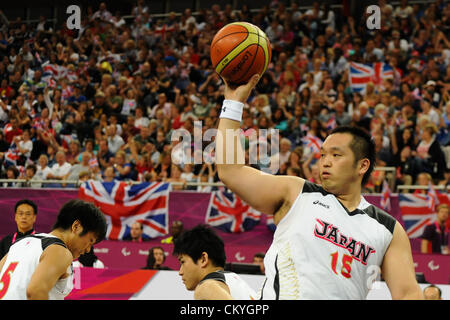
x=201 y=253
x=329 y=240
x=39 y=266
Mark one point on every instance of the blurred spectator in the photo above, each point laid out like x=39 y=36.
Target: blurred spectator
x=114 y=140
x=61 y=169
x=258 y=258
x=109 y=174
x=136 y=233
x=116 y=77
x=176 y=228
x=156 y=259
x=435 y=235
x=123 y=168
x=88 y=259
x=12 y=173
x=432 y=292
x=206 y=175
x=83 y=166
x=175 y=176
x=428 y=154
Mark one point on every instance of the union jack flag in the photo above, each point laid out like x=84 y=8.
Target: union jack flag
x=417 y=213
x=229 y=213
x=125 y=204
x=433 y=199
x=12 y=155
x=360 y=75
x=312 y=144
x=331 y=123
x=386 y=197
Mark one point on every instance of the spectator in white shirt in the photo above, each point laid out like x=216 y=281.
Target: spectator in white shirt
x=117 y=20
x=161 y=105
x=404 y=10
x=114 y=140
x=24 y=144
x=60 y=170
x=42 y=169
x=140 y=121
x=80 y=167
x=102 y=13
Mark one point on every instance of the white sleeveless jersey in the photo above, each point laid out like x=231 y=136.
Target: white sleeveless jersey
x=21 y=262
x=239 y=289
x=321 y=250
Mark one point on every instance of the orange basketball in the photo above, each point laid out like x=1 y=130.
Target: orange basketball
x=239 y=50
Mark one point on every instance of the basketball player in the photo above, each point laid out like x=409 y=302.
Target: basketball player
x=39 y=266
x=330 y=243
x=201 y=253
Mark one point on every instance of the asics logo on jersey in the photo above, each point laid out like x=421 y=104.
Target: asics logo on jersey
x=321 y=204
x=358 y=250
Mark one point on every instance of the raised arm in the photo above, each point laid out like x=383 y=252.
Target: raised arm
x=264 y=192
x=398 y=268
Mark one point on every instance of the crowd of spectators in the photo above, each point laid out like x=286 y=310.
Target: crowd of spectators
x=102 y=102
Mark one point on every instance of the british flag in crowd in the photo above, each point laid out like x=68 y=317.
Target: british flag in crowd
x=386 y=197
x=124 y=204
x=312 y=144
x=361 y=74
x=12 y=155
x=229 y=213
x=416 y=212
x=433 y=199
x=53 y=72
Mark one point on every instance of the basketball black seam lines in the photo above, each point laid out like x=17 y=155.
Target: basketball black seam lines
x=231 y=49
x=224 y=67
x=228 y=34
x=248 y=33
x=253 y=61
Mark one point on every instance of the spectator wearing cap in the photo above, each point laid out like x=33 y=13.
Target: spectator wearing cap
x=431 y=93
x=77 y=96
x=100 y=105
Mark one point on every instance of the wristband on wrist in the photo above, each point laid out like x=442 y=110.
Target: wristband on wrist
x=232 y=110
